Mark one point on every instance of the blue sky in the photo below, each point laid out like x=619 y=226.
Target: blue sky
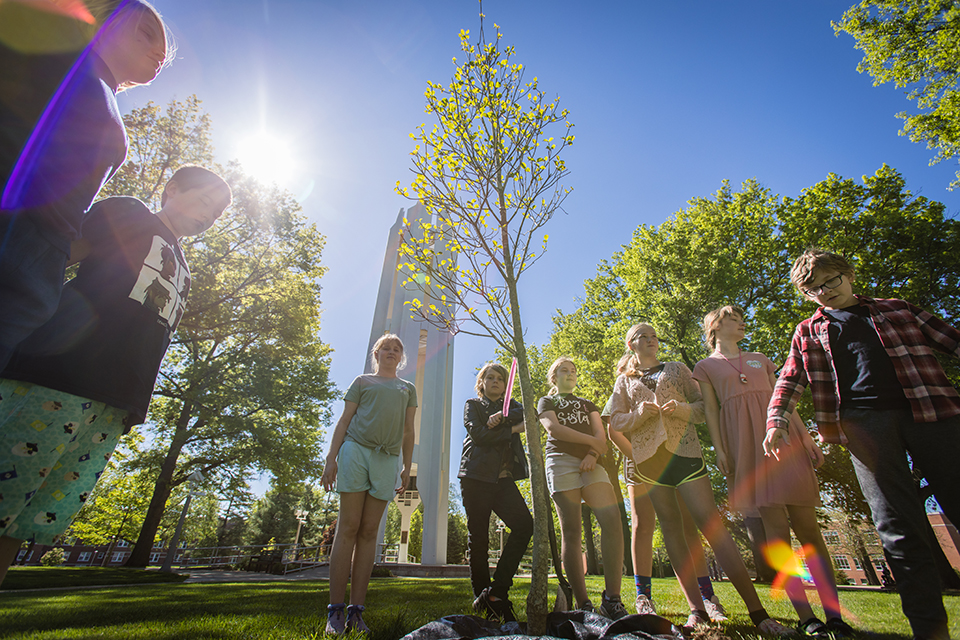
x=668 y=100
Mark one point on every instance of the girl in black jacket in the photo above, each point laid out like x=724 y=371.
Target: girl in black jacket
x=493 y=460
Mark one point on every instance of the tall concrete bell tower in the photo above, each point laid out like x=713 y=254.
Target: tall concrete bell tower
x=429 y=354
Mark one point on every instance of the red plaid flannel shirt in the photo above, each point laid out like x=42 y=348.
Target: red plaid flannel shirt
x=908 y=333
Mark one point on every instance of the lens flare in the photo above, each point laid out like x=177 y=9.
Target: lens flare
x=786 y=562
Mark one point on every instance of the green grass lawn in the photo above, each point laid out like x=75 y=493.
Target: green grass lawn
x=45 y=577
x=281 y=610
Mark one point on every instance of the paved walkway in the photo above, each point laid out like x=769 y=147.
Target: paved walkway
x=198 y=575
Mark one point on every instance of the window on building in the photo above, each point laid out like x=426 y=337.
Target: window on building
x=117 y=556
x=20 y=554
x=841 y=562
x=831 y=537
x=154 y=557
x=85 y=556
x=123 y=543
x=856 y=563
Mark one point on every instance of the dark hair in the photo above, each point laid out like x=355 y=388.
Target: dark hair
x=192 y=176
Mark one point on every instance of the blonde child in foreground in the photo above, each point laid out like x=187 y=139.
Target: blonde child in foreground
x=659 y=403
x=879 y=390
x=375 y=428
x=736 y=387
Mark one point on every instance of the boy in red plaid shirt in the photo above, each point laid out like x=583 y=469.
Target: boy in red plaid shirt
x=878 y=390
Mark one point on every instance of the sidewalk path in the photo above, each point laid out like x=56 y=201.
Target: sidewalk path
x=199 y=575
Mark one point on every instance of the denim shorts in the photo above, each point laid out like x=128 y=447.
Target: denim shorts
x=361 y=468
x=563 y=473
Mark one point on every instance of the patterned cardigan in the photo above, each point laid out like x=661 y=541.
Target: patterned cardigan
x=648 y=430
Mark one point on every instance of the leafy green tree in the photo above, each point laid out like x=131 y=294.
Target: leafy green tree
x=245 y=382
x=273 y=515
x=114 y=510
x=913 y=43
x=489 y=171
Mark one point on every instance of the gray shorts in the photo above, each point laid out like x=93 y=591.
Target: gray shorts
x=563 y=473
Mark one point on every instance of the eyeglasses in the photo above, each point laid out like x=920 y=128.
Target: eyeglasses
x=832 y=283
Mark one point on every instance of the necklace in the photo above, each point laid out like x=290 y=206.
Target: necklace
x=743 y=376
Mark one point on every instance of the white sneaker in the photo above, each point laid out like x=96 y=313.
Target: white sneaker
x=774 y=628
x=645 y=605
x=714 y=609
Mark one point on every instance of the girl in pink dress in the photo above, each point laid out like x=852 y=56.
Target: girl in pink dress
x=736 y=387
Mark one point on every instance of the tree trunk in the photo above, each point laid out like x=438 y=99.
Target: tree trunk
x=612 y=464
x=860 y=548
x=537 y=607
x=586 y=523
x=140 y=556
x=758 y=538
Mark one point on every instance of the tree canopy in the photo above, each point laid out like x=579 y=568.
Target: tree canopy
x=913 y=43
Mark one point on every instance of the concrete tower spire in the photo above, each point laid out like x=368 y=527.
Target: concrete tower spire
x=429 y=354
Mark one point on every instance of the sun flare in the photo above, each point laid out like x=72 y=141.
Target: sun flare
x=267 y=158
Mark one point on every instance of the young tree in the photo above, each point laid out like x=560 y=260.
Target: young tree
x=914 y=43
x=489 y=172
x=244 y=384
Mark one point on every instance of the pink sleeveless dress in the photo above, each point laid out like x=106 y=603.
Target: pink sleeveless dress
x=756 y=480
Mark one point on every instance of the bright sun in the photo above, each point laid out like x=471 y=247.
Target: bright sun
x=266 y=158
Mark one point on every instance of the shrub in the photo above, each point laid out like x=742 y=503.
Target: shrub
x=53 y=558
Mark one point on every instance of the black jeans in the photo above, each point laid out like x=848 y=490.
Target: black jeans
x=879 y=442
x=504 y=499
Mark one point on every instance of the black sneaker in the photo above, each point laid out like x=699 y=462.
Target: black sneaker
x=839 y=628
x=814 y=628
x=483 y=606
x=504 y=610
x=612 y=607
x=500 y=610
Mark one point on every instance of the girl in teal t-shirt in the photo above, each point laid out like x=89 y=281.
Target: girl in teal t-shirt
x=375 y=428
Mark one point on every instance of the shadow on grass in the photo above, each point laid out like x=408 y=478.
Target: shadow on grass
x=46 y=577
x=248 y=610
x=396 y=606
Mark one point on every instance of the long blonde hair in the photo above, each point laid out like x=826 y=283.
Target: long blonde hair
x=713 y=319
x=552 y=373
x=115 y=14
x=629 y=364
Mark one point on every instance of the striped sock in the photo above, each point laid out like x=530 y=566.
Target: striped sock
x=644 y=585
x=706 y=587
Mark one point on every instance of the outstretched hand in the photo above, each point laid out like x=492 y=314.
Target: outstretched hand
x=771 y=443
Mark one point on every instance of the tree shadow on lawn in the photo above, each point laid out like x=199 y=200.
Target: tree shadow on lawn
x=228 y=610
x=396 y=606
